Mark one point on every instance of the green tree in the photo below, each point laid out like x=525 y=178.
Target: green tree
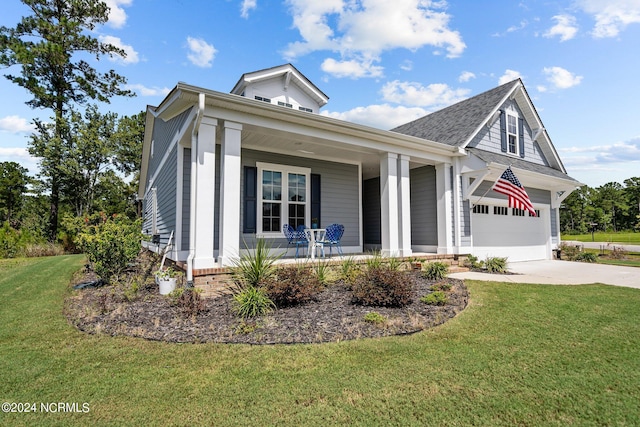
x=613 y=201
x=13 y=184
x=46 y=45
x=632 y=189
x=88 y=157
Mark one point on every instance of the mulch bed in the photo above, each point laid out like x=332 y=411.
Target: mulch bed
x=330 y=318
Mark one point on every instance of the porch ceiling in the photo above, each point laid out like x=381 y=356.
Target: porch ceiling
x=306 y=146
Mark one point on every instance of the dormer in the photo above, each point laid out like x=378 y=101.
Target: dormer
x=283 y=85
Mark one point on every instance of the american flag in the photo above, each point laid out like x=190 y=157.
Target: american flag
x=518 y=198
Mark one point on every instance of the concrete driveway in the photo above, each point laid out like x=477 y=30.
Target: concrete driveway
x=556 y=272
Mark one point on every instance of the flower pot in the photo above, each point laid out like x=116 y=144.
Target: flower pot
x=167 y=285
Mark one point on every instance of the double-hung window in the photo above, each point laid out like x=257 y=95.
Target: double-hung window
x=283 y=197
x=512 y=134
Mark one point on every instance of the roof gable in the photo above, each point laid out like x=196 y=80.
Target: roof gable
x=458 y=124
x=283 y=79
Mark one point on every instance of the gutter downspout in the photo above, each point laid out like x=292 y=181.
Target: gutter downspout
x=193 y=200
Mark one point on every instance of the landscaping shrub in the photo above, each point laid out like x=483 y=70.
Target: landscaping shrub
x=110 y=243
x=472 y=262
x=395 y=263
x=587 y=257
x=375 y=318
x=496 y=264
x=349 y=271
x=188 y=301
x=436 y=270
x=382 y=286
x=252 y=302
x=441 y=286
x=435 y=298
x=617 y=252
x=292 y=285
x=569 y=252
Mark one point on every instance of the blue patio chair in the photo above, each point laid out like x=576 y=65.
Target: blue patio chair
x=332 y=237
x=294 y=237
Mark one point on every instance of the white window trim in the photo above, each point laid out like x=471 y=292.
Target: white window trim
x=284 y=212
x=515 y=115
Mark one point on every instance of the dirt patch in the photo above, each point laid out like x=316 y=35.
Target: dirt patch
x=113 y=311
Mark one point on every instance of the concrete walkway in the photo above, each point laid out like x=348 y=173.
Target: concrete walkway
x=555 y=272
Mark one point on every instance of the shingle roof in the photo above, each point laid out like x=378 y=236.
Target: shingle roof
x=505 y=160
x=455 y=124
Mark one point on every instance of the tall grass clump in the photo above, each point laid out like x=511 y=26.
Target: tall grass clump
x=496 y=264
x=436 y=270
x=256 y=266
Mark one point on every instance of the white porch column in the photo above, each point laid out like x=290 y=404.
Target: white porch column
x=205 y=194
x=404 y=206
x=444 y=208
x=230 y=194
x=389 y=204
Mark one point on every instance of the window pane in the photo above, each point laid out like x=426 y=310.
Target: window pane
x=512 y=124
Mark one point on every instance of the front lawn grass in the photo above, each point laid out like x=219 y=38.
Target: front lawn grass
x=518 y=355
x=630 y=238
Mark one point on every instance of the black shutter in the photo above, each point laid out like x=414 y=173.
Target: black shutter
x=315 y=199
x=250 y=199
x=503 y=131
x=521 y=136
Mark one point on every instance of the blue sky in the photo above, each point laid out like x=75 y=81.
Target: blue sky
x=384 y=63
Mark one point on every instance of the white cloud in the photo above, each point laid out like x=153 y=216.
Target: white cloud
x=20 y=155
x=132 y=55
x=565 y=28
x=612 y=16
x=434 y=96
x=15 y=124
x=561 y=78
x=201 y=53
x=351 y=68
x=149 y=91
x=406 y=65
x=466 y=76
x=379 y=116
x=619 y=152
x=509 y=75
x=117 y=15
x=247 y=5
x=370 y=27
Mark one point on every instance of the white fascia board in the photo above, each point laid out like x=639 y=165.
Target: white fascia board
x=146 y=150
x=536 y=179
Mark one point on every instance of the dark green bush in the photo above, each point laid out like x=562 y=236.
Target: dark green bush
x=385 y=287
x=292 y=286
x=496 y=264
x=435 y=298
x=436 y=270
x=587 y=257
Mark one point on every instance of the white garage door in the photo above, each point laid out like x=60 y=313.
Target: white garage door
x=505 y=232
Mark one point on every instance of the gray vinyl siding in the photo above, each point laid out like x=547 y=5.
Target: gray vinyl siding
x=424 y=214
x=165 y=184
x=164 y=134
x=488 y=139
x=340 y=200
x=372 y=211
x=186 y=197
